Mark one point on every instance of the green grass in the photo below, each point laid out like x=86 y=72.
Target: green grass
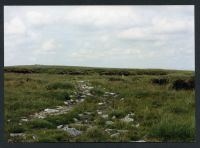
x=163 y=113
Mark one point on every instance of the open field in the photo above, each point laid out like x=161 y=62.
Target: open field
x=82 y=104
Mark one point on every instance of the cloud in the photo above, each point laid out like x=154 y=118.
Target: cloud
x=15 y=26
x=111 y=36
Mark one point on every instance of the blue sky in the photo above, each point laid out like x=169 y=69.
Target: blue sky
x=100 y=36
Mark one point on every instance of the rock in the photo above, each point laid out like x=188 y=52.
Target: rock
x=109 y=122
x=75 y=120
x=122 y=99
x=72 y=131
x=34 y=137
x=113 y=117
x=51 y=110
x=115 y=135
x=83 y=96
x=24 y=120
x=87 y=113
x=16 y=134
x=127 y=119
x=100 y=103
x=137 y=125
x=99 y=113
x=81 y=100
x=59 y=107
x=104 y=116
x=66 y=103
x=138 y=141
x=80 y=115
x=59 y=126
x=8 y=120
x=108 y=130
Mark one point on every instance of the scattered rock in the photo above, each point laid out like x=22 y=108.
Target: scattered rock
x=59 y=107
x=80 y=115
x=66 y=103
x=99 y=113
x=113 y=117
x=24 y=120
x=138 y=141
x=122 y=99
x=109 y=122
x=104 y=116
x=127 y=119
x=16 y=134
x=59 y=126
x=51 y=110
x=137 y=125
x=75 y=120
x=115 y=135
x=72 y=131
x=100 y=103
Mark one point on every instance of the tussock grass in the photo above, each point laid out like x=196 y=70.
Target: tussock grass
x=163 y=113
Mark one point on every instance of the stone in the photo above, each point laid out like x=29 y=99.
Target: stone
x=16 y=134
x=104 y=116
x=59 y=126
x=66 y=103
x=109 y=122
x=59 y=107
x=115 y=135
x=80 y=115
x=113 y=117
x=81 y=100
x=72 y=131
x=87 y=113
x=137 y=125
x=51 y=110
x=122 y=99
x=75 y=120
x=127 y=119
x=99 y=113
x=24 y=120
x=108 y=130
x=138 y=141
x=100 y=103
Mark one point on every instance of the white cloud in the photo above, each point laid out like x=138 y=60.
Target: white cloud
x=118 y=36
x=15 y=26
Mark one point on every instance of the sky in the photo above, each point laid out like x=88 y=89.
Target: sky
x=100 y=36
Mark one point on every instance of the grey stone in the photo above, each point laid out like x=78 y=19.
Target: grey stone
x=104 y=116
x=109 y=122
x=127 y=119
x=59 y=126
x=51 y=110
x=24 y=120
x=16 y=134
x=100 y=103
x=72 y=131
x=115 y=135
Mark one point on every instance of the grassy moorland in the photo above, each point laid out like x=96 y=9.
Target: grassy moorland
x=98 y=104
